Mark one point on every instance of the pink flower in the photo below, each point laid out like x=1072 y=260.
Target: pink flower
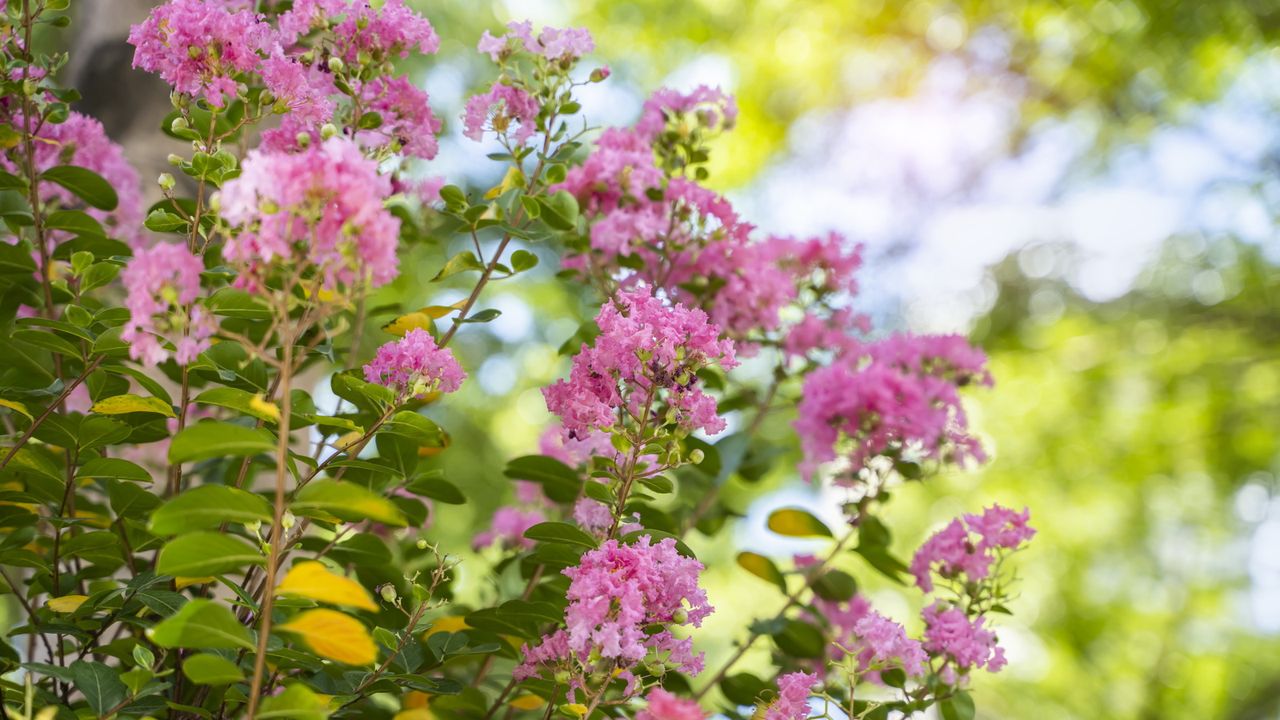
x=201 y=48
x=497 y=109
x=889 y=397
x=709 y=106
x=508 y=527
x=407 y=120
x=665 y=706
x=952 y=552
x=81 y=141
x=792 y=702
x=322 y=207
x=356 y=26
x=161 y=283
x=574 y=451
x=645 y=350
x=414 y=366
x=617 y=594
x=950 y=632
x=883 y=643
x=554 y=44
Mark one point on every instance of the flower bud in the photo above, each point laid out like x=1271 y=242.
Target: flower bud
x=600 y=74
x=166 y=181
x=304 y=140
x=328 y=130
x=680 y=616
x=287 y=520
x=696 y=456
x=175 y=159
x=336 y=64
x=179 y=124
x=421 y=544
x=388 y=593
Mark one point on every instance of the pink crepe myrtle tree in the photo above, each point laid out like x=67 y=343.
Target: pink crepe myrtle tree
x=180 y=547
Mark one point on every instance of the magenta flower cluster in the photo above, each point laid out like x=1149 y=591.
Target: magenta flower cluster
x=161 y=285
x=965 y=550
x=552 y=44
x=893 y=397
x=647 y=352
x=498 y=109
x=623 y=602
x=792 y=702
x=319 y=210
x=415 y=366
x=662 y=705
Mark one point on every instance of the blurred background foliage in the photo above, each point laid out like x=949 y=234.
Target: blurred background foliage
x=1129 y=299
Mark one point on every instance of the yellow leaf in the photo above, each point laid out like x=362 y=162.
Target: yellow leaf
x=415 y=700
x=513 y=179
x=16 y=406
x=269 y=409
x=313 y=581
x=181 y=582
x=334 y=635
x=527 y=702
x=413 y=714
x=575 y=708
x=66 y=603
x=121 y=404
x=448 y=623
x=403 y=324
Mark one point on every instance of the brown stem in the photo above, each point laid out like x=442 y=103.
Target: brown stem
x=273 y=555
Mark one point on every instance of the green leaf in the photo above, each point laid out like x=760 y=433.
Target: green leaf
x=560 y=482
x=522 y=260
x=235 y=303
x=517 y=617
x=85 y=184
x=835 y=585
x=482 y=316
x=801 y=640
x=74 y=221
x=297 y=702
x=462 y=262
x=242 y=401
x=957 y=707
x=208 y=506
x=436 y=488
x=794 y=522
x=884 y=562
x=656 y=536
x=205 y=553
x=763 y=568
x=160 y=220
x=453 y=195
x=101 y=685
x=206 y=440
x=202 y=624
x=125 y=404
x=417 y=428
x=560 y=211
x=743 y=688
x=560 y=532
x=209 y=669
x=345 y=501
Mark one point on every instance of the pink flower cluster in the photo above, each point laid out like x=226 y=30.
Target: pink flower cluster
x=966 y=550
x=950 y=632
x=898 y=395
x=646 y=352
x=319 y=210
x=651 y=225
x=81 y=141
x=207 y=48
x=414 y=366
x=710 y=106
x=161 y=285
x=617 y=595
x=497 y=109
x=553 y=44
x=665 y=706
x=792 y=702
x=201 y=47
x=883 y=644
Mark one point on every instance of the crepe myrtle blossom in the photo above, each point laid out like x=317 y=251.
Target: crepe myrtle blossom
x=882 y=644
x=618 y=595
x=81 y=140
x=361 y=31
x=963 y=640
x=709 y=107
x=201 y=47
x=662 y=705
x=554 y=44
x=966 y=548
x=899 y=395
x=792 y=702
x=497 y=110
x=646 y=351
x=161 y=285
x=320 y=210
x=414 y=366
x=507 y=527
